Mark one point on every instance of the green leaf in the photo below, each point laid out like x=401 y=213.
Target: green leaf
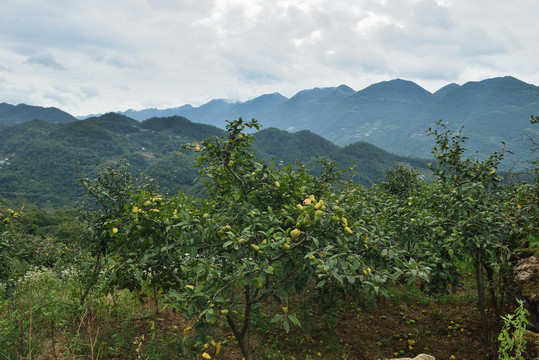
x=276 y=318
x=294 y=320
x=286 y=326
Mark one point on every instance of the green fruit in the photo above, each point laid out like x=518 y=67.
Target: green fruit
x=285 y=246
x=255 y=247
x=295 y=233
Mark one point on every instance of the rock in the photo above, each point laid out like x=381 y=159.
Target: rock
x=418 y=357
x=526 y=275
x=532 y=344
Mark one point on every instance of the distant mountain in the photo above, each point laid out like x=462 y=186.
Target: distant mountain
x=215 y=112
x=40 y=159
x=302 y=111
x=16 y=114
x=393 y=115
x=378 y=114
x=446 y=89
x=491 y=111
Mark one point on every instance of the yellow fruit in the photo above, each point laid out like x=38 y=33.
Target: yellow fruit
x=191 y=287
x=115 y=230
x=255 y=247
x=312 y=198
x=241 y=241
x=277 y=184
x=197 y=148
x=348 y=230
x=285 y=246
x=318 y=206
x=307 y=201
x=206 y=356
x=224 y=312
x=299 y=206
x=295 y=233
x=312 y=258
x=344 y=221
x=212 y=343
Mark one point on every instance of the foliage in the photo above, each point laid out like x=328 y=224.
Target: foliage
x=266 y=247
x=262 y=233
x=512 y=344
x=35 y=147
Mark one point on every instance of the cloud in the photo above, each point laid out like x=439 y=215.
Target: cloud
x=46 y=60
x=135 y=53
x=258 y=77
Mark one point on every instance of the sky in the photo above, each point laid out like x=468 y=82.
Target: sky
x=94 y=56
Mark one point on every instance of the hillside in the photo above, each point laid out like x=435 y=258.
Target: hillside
x=15 y=114
x=393 y=115
x=43 y=158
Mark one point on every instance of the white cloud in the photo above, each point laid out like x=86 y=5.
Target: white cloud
x=45 y=60
x=160 y=53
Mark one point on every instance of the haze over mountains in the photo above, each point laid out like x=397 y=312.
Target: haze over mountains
x=393 y=115
x=38 y=157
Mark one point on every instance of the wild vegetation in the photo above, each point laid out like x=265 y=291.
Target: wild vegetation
x=39 y=160
x=272 y=258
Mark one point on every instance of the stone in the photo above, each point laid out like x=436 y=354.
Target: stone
x=526 y=275
x=532 y=344
x=418 y=357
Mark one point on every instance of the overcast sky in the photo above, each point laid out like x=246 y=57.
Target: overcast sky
x=94 y=56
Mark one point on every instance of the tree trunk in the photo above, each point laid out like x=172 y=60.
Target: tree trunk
x=241 y=339
x=481 y=297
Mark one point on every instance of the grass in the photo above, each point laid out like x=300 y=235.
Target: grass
x=120 y=327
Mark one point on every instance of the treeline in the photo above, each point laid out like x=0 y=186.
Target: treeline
x=44 y=159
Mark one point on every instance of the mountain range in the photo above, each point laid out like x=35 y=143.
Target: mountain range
x=41 y=147
x=39 y=160
x=394 y=115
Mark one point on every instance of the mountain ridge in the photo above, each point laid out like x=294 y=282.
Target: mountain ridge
x=43 y=159
x=393 y=115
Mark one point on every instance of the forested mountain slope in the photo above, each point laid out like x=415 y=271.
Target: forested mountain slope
x=41 y=159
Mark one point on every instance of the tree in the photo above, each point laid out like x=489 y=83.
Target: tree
x=263 y=234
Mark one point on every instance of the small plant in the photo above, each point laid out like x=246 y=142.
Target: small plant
x=512 y=343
